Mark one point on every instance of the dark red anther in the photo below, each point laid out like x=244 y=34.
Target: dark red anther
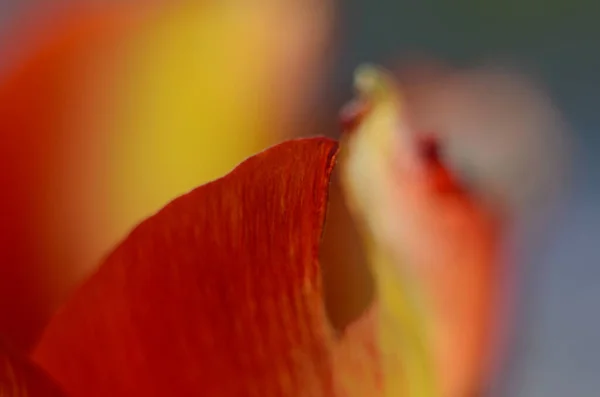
x=429 y=148
x=440 y=177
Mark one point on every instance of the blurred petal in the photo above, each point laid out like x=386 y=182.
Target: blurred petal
x=499 y=130
x=108 y=112
x=219 y=293
x=432 y=247
x=507 y=144
x=21 y=378
x=39 y=86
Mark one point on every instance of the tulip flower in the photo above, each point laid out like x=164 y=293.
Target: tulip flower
x=364 y=268
x=224 y=290
x=109 y=111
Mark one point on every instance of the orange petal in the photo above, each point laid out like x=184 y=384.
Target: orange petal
x=35 y=90
x=20 y=377
x=219 y=293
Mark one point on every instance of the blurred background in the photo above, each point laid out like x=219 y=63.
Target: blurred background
x=284 y=70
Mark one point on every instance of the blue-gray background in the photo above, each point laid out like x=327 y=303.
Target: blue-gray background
x=558 y=351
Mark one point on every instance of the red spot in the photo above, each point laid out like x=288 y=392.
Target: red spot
x=439 y=175
x=429 y=148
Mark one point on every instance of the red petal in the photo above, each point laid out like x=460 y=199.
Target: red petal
x=217 y=294
x=36 y=87
x=19 y=377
